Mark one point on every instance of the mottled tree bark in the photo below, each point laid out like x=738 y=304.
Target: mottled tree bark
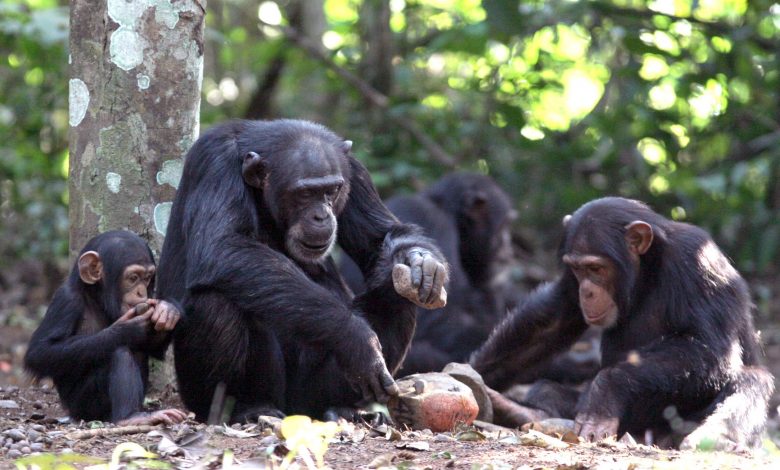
x=135 y=82
x=136 y=72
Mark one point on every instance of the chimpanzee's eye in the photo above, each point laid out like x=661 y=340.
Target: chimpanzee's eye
x=333 y=192
x=596 y=270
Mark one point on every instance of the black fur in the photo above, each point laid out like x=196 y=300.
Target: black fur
x=99 y=368
x=469 y=216
x=283 y=335
x=684 y=336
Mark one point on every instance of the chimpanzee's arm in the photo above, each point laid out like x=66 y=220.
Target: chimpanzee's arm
x=270 y=287
x=57 y=348
x=521 y=346
x=676 y=369
x=264 y=283
x=373 y=237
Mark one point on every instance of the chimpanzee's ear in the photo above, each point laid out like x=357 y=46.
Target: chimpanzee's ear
x=346 y=146
x=90 y=267
x=639 y=236
x=253 y=170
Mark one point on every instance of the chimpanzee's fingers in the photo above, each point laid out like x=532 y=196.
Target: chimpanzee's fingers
x=157 y=312
x=173 y=318
x=175 y=415
x=439 y=278
x=166 y=419
x=416 y=264
x=388 y=384
x=143 y=320
x=378 y=390
x=429 y=271
x=127 y=315
x=162 y=319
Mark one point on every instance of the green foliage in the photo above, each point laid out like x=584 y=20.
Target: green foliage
x=33 y=130
x=675 y=103
x=49 y=461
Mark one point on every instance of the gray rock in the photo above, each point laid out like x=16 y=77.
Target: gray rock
x=465 y=374
x=26 y=450
x=37 y=447
x=8 y=404
x=15 y=434
x=434 y=401
x=13 y=454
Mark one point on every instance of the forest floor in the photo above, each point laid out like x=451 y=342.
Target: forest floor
x=39 y=421
x=35 y=427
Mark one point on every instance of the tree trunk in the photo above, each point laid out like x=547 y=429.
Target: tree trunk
x=376 y=65
x=136 y=71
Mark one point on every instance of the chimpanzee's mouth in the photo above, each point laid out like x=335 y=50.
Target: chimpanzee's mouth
x=604 y=318
x=595 y=318
x=315 y=248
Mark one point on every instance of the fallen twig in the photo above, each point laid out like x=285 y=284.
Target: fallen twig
x=372 y=95
x=116 y=431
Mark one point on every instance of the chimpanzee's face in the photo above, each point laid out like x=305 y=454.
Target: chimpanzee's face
x=605 y=281
x=305 y=186
x=596 y=278
x=312 y=228
x=135 y=283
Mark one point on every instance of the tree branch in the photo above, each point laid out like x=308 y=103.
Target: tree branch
x=711 y=26
x=372 y=95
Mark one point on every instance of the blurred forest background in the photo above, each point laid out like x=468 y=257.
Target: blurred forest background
x=673 y=102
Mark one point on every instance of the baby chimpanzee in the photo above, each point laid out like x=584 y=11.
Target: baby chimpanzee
x=99 y=331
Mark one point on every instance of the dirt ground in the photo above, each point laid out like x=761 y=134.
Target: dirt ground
x=38 y=421
x=33 y=424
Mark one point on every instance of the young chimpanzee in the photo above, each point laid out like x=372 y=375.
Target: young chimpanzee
x=99 y=330
x=469 y=216
x=269 y=321
x=679 y=349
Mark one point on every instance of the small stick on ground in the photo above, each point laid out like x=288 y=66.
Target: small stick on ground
x=117 y=431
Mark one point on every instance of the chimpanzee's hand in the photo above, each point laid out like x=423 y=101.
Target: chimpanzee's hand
x=364 y=366
x=164 y=315
x=600 y=409
x=420 y=277
x=595 y=428
x=167 y=417
x=134 y=326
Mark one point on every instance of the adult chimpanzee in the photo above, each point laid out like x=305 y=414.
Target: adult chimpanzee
x=469 y=216
x=99 y=330
x=678 y=344
x=268 y=319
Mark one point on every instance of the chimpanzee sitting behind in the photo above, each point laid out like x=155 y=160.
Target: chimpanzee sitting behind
x=268 y=319
x=94 y=343
x=678 y=348
x=469 y=216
